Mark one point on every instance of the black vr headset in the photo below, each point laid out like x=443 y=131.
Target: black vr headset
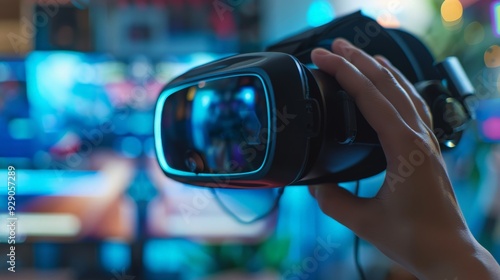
x=269 y=119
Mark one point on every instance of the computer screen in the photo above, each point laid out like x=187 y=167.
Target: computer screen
x=99 y=101
x=94 y=158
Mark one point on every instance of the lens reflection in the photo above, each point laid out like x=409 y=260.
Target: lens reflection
x=216 y=126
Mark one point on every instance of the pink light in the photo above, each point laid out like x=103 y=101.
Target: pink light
x=491 y=128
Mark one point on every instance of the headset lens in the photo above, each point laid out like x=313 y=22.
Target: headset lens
x=216 y=126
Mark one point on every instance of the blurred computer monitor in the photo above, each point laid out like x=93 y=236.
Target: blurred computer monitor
x=97 y=101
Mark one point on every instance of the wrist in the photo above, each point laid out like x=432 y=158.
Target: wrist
x=460 y=259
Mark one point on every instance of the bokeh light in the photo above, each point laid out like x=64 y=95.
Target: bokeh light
x=451 y=11
x=474 y=33
x=491 y=128
x=492 y=57
x=319 y=13
x=388 y=20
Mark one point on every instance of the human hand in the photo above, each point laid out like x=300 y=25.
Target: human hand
x=414 y=219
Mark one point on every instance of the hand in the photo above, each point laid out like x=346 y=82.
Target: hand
x=414 y=219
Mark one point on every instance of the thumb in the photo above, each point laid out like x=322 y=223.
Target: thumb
x=341 y=205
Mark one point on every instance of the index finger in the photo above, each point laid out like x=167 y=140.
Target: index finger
x=378 y=111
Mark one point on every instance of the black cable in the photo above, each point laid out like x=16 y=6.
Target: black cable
x=238 y=219
x=356 y=244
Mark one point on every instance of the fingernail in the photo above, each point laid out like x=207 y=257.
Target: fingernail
x=320 y=51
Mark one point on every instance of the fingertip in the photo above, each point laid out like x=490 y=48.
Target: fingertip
x=319 y=52
x=341 y=42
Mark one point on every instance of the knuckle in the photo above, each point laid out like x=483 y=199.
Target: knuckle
x=385 y=76
x=341 y=60
x=353 y=55
x=332 y=60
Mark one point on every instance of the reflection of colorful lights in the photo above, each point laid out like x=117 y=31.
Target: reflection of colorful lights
x=451 y=11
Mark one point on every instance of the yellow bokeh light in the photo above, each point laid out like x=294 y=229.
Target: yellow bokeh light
x=451 y=10
x=191 y=93
x=388 y=21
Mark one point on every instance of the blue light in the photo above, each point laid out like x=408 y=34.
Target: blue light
x=21 y=129
x=319 y=13
x=165 y=255
x=248 y=95
x=46 y=255
x=131 y=147
x=115 y=255
x=205 y=101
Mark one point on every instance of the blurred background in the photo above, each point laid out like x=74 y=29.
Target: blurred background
x=78 y=82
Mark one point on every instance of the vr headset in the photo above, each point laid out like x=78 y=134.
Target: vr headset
x=270 y=119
